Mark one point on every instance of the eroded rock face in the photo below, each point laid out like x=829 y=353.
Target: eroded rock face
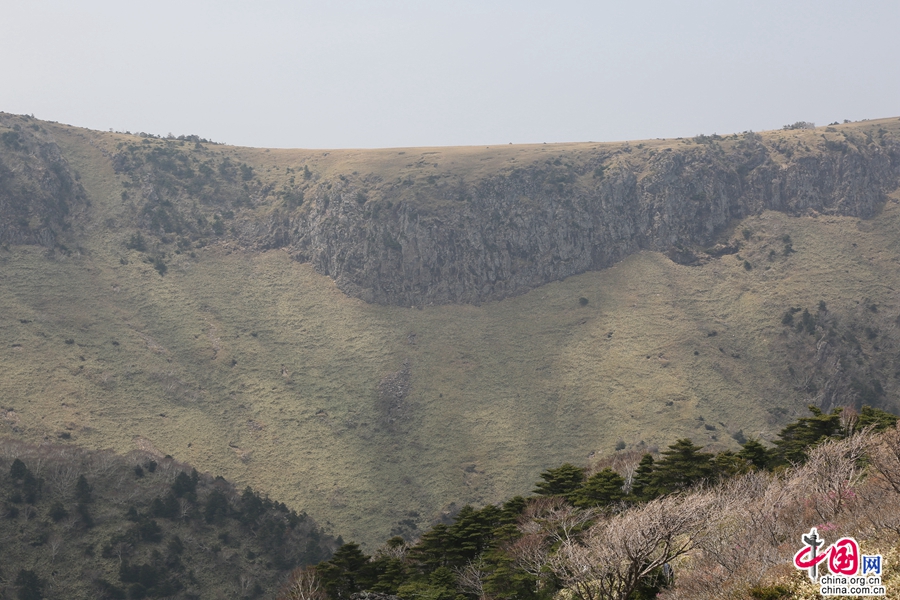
x=39 y=194
x=509 y=233
x=474 y=236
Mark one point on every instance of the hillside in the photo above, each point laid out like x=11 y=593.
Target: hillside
x=681 y=524
x=528 y=305
x=88 y=524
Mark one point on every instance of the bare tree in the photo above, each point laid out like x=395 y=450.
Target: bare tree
x=829 y=475
x=303 y=584
x=122 y=550
x=618 y=552
x=103 y=464
x=470 y=578
x=737 y=548
x=63 y=476
x=556 y=519
x=395 y=548
x=245 y=583
x=55 y=543
x=531 y=553
x=884 y=456
x=184 y=508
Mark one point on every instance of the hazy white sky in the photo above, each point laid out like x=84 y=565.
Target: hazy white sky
x=384 y=73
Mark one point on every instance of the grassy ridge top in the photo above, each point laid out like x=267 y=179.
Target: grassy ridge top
x=251 y=365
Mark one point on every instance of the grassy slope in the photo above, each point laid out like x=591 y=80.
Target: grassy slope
x=499 y=391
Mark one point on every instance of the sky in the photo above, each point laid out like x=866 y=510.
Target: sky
x=400 y=73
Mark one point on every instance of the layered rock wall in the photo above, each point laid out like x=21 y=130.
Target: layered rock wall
x=513 y=232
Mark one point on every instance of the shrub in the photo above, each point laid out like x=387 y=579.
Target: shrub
x=800 y=125
x=58 y=512
x=136 y=242
x=390 y=242
x=30 y=585
x=770 y=592
x=83 y=490
x=160 y=265
x=18 y=470
x=11 y=140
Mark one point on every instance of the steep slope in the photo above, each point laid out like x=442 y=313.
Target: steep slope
x=415 y=227
x=170 y=312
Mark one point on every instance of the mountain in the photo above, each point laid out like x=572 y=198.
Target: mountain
x=364 y=334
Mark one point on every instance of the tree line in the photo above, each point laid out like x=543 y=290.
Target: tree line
x=603 y=533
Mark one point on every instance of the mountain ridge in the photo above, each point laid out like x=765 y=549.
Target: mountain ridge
x=168 y=307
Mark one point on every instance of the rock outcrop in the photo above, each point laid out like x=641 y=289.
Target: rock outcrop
x=466 y=235
x=39 y=194
x=512 y=232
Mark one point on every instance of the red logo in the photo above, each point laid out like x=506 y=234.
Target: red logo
x=843 y=555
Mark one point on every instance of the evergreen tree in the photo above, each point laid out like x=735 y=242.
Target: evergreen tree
x=58 y=512
x=798 y=437
x=560 y=481
x=602 y=489
x=681 y=466
x=18 y=469
x=504 y=581
x=31 y=487
x=185 y=486
x=83 y=490
x=879 y=419
x=642 y=481
x=728 y=464
x=349 y=571
x=390 y=571
x=755 y=454
x=432 y=550
x=471 y=533
x=252 y=506
x=217 y=508
x=511 y=510
x=31 y=587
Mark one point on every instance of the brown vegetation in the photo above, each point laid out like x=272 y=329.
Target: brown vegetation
x=724 y=542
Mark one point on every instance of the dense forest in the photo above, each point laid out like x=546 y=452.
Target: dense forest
x=86 y=524
x=683 y=523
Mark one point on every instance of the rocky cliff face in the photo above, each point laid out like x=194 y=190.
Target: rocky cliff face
x=508 y=233
x=463 y=236
x=39 y=194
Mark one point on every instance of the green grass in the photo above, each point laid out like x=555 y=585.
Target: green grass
x=499 y=391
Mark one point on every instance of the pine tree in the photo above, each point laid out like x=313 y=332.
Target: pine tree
x=755 y=453
x=879 y=419
x=560 y=481
x=18 y=469
x=601 y=489
x=83 y=490
x=801 y=435
x=641 y=482
x=682 y=466
x=348 y=571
